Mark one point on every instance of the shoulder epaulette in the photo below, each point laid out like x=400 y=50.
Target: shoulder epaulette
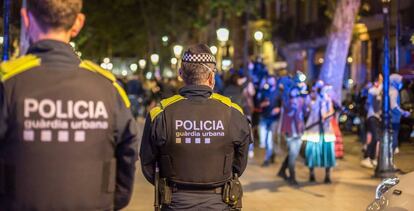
x=89 y=65
x=14 y=67
x=164 y=104
x=226 y=101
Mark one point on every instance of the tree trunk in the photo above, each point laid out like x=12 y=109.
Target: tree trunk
x=238 y=37
x=336 y=53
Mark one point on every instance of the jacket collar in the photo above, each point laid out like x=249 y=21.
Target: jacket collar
x=53 y=51
x=191 y=91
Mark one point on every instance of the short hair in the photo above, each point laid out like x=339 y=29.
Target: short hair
x=55 y=14
x=196 y=73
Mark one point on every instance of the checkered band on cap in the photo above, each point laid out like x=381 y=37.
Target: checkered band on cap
x=199 y=58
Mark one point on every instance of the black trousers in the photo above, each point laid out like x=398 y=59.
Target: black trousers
x=188 y=201
x=374 y=127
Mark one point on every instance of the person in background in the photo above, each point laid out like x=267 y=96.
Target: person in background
x=319 y=135
x=293 y=128
x=269 y=103
x=374 y=112
x=395 y=105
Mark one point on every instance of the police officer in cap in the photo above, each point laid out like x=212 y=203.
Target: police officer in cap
x=67 y=138
x=198 y=139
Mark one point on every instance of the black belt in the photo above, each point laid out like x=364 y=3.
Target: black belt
x=188 y=189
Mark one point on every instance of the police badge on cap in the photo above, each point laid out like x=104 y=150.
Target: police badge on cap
x=203 y=56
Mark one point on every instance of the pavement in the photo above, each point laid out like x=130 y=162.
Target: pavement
x=352 y=189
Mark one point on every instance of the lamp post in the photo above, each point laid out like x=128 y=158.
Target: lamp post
x=385 y=167
x=222 y=36
x=6 y=24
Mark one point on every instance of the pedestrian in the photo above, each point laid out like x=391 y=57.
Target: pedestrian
x=374 y=112
x=199 y=140
x=396 y=111
x=68 y=140
x=269 y=103
x=319 y=135
x=292 y=127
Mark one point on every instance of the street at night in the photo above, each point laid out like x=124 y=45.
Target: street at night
x=207 y=105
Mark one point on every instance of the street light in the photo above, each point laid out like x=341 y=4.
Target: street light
x=142 y=63
x=178 y=50
x=155 y=58
x=133 y=67
x=165 y=38
x=223 y=34
x=385 y=167
x=258 y=36
x=174 y=61
x=213 y=50
x=72 y=44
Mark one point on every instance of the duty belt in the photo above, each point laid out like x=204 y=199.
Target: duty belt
x=185 y=188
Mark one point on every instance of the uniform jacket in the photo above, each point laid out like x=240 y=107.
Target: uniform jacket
x=186 y=139
x=67 y=138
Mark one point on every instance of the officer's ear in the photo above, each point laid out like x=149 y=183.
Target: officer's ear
x=78 y=25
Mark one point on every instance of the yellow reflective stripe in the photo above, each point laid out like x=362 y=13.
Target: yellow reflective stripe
x=17 y=66
x=96 y=68
x=237 y=107
x=221 y=98
x=155 y=112
x=88 y=65
x=164 y=104
x=226 y=101
x=123 y=94
x=171 y=100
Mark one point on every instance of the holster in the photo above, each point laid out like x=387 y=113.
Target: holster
x=165 y=192
x=233 y=193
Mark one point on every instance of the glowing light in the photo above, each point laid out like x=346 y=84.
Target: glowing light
x=79 y=53
x=142 y=63
x=124 y=73
x=133 y=67
x=1 y=40
x=226 y=64
x=106 y=60
x=109 y=66
x=165 y=38
x=258 y=36
x=103 y=65
x=178 y=50
x=350 y=81
x=148 y=75
x=223 y=34
x=155 y=58
x=302 y=77
x=174 y=61
x=320 y=60
x=72 y=44
x=213 y=50
x=349 y=59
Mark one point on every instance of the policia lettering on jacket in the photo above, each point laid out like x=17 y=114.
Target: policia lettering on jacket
x=198 y=138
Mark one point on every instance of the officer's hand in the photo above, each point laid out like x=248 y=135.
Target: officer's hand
x=406 y=114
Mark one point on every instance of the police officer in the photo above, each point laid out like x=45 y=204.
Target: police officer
x=67 y=138
x=197 y=138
